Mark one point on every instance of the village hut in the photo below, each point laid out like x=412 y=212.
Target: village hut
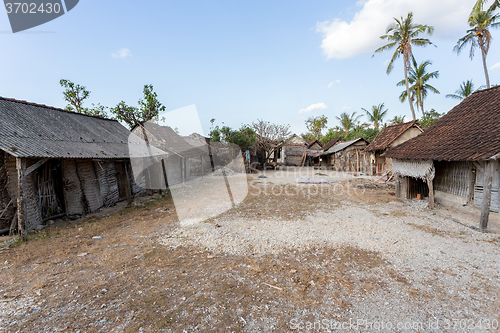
x=293 y=150
x=390 y=137
x=184 y=160
x=56 y=163
x=348 y=156
x=456 y=159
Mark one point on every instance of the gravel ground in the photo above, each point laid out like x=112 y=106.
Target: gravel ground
x=452 y=270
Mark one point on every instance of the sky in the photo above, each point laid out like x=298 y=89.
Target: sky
x=238 y=61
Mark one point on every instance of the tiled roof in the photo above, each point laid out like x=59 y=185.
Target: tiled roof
x=470 y=131
x=35 y=130
x=310 y=144
x=330 y=144
x=389 y=134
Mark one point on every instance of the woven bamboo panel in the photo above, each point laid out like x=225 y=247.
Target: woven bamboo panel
x=32 y=210
x=90 y=184
x=72 y=190
x=108 y=185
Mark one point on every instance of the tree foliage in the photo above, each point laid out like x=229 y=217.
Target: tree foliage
x=315 y=125
x=403 y=34
x=466 y=89
x=149 y=109
x=376 y=116
x=75 y=95
x=348 y=121
x=430 y=117
x=270 y=137
x=243 y=137
x=397 y=120
x=418 y=78
x=480 y=21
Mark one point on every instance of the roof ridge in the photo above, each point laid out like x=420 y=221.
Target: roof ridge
x=51 y=108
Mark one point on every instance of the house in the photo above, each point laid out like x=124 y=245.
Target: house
x=330 y=144
x=456 y=159
x=348 y=156
x=293 y=150
x=390 y=137
x=184 y=160
x=314 y=145
x=56 y=163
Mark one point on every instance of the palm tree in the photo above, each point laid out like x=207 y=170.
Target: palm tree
x=403 y=34
x=479 y=35
x=419 y=88
x=397 y=120
x=480 y=3
x=466 y=89
x=377 y=114
x=348 y=121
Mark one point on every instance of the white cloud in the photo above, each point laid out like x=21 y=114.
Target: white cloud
x=497 y=65
x=343 y=39
x=332 y=83
x=122 y=53
x=312 y=107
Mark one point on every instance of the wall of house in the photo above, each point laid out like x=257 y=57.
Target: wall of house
x=478 y=188
x=5 y=197
x=293 y=155
x=315 y=146
x=351 y=159
x=407 y=135
x=108 y=184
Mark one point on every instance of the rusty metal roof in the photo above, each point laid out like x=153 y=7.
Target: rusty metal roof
x=35 y=130
x=470 y=131
x=389 y=134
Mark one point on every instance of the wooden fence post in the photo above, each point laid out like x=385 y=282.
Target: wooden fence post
x=487 y=184
x=21 y=196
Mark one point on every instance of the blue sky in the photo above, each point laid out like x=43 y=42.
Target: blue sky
x=238 y=61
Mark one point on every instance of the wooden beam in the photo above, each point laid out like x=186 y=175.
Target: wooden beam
x=431 y=192
x=127 y=182
x=35 y=166
x=478 y=166
x=21 y=196
x=472 y=184
x=487 y=184
x=165 y=173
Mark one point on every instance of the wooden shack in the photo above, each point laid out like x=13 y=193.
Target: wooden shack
x=456 y=159
x=293 y=150
x=390 y=137
x=183 y=158
x=57 y=163
x=348 y=156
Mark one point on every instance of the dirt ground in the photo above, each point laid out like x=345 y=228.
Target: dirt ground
x=117 y=273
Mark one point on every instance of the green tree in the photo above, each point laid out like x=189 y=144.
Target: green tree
x=430 y=117
x=480 y=21
x=403 y=35
x=480 y=4
x=397 y=120
x=75 y=95
x=316 y=125
x=418 y=78
x=244 y=137
x=149 y=109
x=466 y=89
x=377 y=115
x=348 y=121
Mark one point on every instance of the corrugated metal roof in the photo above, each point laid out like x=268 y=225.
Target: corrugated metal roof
x=344 y=145
x=34 y=130
x=470 y=131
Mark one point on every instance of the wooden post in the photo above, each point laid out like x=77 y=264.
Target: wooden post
x=164 y=173
x=472 y=184
x=127 y=182
x=487 y=183
x=21 y=197
x=431 y=192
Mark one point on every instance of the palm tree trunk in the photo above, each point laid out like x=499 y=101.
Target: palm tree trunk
x=410 y=98
x=483 y=53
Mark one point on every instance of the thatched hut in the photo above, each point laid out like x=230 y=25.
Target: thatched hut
x=55 y=163
x=456 y=159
